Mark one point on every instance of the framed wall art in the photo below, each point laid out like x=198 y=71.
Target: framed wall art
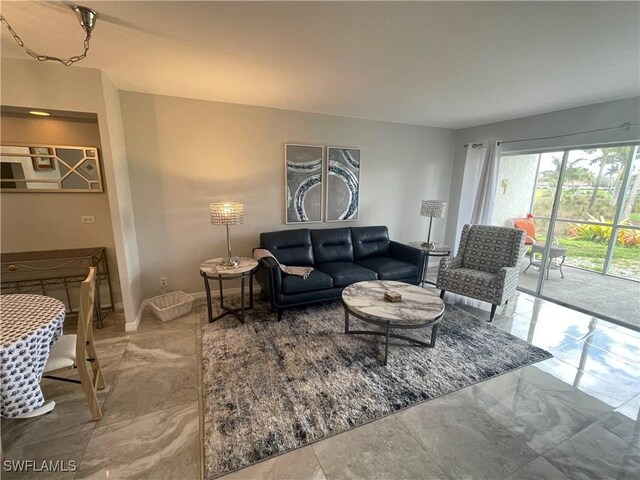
x=50 y=168
x=304 y=177
x=343 y=183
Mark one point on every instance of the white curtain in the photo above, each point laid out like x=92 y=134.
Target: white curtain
x=486 y=196
x=479 y=185
x=470 y=183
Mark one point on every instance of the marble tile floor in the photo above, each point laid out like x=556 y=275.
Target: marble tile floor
x=571 y=417
x=151 y=421
x=612 y=296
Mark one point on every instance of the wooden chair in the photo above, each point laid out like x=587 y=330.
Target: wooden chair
x=78 y=351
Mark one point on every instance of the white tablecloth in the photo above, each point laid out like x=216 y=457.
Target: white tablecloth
x=30 y=326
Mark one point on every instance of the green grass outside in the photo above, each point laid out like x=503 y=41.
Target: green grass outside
x=591 y=255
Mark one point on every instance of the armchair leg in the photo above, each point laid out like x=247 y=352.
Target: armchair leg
x=442 y=294
x=493 y=312
x=280 y=313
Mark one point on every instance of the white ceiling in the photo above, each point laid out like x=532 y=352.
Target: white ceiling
x=446 y=64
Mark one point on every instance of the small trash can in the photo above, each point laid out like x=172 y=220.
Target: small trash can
x=170 y=306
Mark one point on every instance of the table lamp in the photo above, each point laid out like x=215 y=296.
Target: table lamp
x=227 y=213
x=431 y=209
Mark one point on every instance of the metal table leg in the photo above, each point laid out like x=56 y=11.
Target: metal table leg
x=425 y=270
x=434 y=332
x=242 y=299
x=346 y=321
x=251 y=290
x=221 y=293
x=388 y=334
x=239 y=313
x=207 y=289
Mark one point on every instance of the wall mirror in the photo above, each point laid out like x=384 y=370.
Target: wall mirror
x=49 y=168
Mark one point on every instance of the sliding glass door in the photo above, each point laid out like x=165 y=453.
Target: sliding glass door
x=584 y=232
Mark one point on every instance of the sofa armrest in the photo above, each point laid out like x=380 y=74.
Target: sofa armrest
x=406 y=253
x=269 y=277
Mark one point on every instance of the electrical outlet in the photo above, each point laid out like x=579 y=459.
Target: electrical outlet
x=164 y=281
x=87 y=219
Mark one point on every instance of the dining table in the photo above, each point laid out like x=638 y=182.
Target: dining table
x=29 y=326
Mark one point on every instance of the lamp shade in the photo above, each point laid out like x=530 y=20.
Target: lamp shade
x=433 y=208
x=226 y=213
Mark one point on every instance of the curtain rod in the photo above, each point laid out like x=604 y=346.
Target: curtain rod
x=626 y=125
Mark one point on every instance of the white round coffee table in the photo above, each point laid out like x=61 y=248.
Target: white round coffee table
x=419 y=308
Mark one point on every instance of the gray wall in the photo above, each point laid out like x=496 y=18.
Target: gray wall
x=184 y=154
x=53 y=219
x=591 y=117
x=47 y=86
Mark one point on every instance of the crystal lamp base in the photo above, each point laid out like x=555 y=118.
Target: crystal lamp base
x=429 y=245
x=230 y=262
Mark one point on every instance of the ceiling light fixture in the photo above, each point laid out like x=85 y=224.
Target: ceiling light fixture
x=87 y=19
x=39 y=113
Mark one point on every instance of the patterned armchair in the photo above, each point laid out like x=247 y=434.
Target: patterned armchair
x=487 y=265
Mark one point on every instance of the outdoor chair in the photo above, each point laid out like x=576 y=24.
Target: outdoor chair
x=529 y=228
x=557 y=253
x=486 y=267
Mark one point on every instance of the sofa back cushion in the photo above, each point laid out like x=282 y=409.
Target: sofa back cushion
x=370 y=242
x=290 y=247
x=332 y=245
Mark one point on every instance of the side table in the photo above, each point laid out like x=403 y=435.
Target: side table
x=555 y=252
x=42 y=271
x=212 y=270
x=437 y=251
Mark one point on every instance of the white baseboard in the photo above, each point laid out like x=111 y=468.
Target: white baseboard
x=133 y=326
x=199 y=295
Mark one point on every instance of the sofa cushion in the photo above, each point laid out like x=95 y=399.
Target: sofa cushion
x=346 y=273
x=332 y=245
x=390 y=269
x=316 y=280
x=477 y=284
x=369 y=242
x=290 y=247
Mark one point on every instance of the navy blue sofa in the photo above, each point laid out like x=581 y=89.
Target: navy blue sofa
x=339 y=256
